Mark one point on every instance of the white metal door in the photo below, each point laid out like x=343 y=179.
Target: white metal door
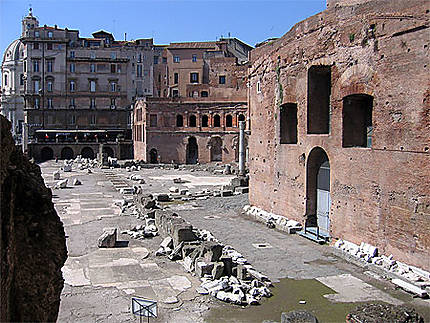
x=323 y=197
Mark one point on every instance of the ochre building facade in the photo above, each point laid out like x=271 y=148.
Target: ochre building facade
x=340 y=125
x=67 y=95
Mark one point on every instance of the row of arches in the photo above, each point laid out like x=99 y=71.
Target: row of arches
x=192 y=120
x=47 y=153
x=215 y=146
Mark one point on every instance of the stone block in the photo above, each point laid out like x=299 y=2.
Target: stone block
x=188 y=248
x=225 y=193
x=239 y=181
x=127 y=190
x=218 y=270
x=76 y=182
x=410 y=288
x=368 y=249
x=188 y=264
x=211 y=251
x=241 y=190
x=146 y=202
x=56 y=175
x=62 y=183
x=202 y=291
x=67 y=167
x=177 y=252
x=242 y=273
x=163 y=198
x=204 y=268
x=167 y=242
x=108 y=238
x=228 y=265
x=182 y=232
x=174 y=189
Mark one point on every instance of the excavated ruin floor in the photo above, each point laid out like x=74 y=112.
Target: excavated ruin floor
x=99 y=283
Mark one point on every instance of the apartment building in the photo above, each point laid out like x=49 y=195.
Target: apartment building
x=75 y=93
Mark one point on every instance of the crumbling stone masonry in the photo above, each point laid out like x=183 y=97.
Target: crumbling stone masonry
x=340 y=125
x=33 y=243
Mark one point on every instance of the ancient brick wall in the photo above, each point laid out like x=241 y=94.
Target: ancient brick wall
x=380 y=192
x=214 y=125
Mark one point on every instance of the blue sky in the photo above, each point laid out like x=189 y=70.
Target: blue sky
x=166 y=21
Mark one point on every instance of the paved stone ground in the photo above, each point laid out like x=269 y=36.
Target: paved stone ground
x=100 y=282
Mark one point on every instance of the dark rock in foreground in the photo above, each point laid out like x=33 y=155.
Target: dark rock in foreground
x=375 y=313
x=33 y=243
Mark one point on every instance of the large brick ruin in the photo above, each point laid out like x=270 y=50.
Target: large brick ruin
x=345 y=93
x=189 y=132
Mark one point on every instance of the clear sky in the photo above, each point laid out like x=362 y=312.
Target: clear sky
x=166 y=21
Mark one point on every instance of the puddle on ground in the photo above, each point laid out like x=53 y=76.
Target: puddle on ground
x=286 y=296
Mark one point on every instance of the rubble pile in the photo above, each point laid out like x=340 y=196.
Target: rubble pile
x=413 y=279
x=81 y=163
x=384 y=313
x=68 y=165
x=273 y=220
x=224 y=272
x=216 y=168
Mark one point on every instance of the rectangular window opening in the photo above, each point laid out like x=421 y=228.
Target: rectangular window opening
x=152 y=120
x=357 y=121
x=194 y=77
x=319 y=90
x=288 y=123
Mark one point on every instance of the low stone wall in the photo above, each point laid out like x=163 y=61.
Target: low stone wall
x=366 y=254
x=272 y=220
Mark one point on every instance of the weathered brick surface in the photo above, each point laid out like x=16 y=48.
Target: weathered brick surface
x=171 y=141
x=380 y=195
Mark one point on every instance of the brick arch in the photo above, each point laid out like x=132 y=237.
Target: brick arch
x=359 y=78
x=316 y=157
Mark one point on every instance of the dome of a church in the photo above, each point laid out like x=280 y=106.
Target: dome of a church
x=14 y=51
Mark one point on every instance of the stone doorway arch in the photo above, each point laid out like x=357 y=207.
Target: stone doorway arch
x=67 y=153
x=87 y=152
x=215 y=144
x=109 y=151
x=153 y=156
x=318 y=200
x=46 y=154
x=192 y=151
